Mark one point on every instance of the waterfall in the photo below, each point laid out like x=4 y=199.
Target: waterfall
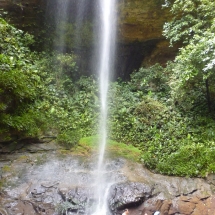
x=80 y=9
x=106 y=32
x=106 y=57
x=61 y=18
x=71 y=13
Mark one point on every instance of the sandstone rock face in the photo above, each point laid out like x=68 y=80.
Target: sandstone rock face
x=140 y=29
x=141 y=20
x=138 y=20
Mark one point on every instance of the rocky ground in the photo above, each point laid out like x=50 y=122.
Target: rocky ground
x=42 y=178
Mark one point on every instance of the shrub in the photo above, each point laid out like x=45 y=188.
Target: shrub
x=68 y=138
x=20 y=84
x=166 y=136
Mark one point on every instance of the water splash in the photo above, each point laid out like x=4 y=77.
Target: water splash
x=67 y=20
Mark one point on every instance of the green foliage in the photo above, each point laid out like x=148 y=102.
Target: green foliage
x=190 y=17
x=193 y=25
x=113 y=148
x=150 y=121
x=41 y=91
x=153 y=79
x=68 y=138
x=134 y=105
x=71 y=106
x=174 y=155
x=69 y=101
x=19 y=83
x=190 y=160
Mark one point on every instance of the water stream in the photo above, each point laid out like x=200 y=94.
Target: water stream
x=106 y=51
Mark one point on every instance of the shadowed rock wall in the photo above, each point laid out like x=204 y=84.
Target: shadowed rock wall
x=140 y=28
x=24 y=14
x=140 y=23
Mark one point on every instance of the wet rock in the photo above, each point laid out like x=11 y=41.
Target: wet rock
x=41 y=147
x=79 y=197
x=3 y=211
x=67 y=182
x=165 y=207
x=49 y=184
x=127 y=194
x=38 y=191
x=185 y=206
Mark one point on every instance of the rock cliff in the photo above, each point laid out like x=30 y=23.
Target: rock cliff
x=24 y=14
x=141 y=20
x=140 y=24
x=140 y=34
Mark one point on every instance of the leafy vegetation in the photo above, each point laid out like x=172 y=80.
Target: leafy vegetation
x=20 y=84
x=144 y=114
x=69 y=101
x=41 y=92
x=193 y=73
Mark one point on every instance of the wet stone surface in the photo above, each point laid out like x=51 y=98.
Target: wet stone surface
x=43 y=179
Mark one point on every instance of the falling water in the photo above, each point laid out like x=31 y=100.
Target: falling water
x=61 y=17
x=79 y=19
x=105 y=32
x=105 y=66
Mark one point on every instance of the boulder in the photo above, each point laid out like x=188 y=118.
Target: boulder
x=127 y=194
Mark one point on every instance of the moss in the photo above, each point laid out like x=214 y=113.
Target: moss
x=23 y=158
x=2 y=182
x=6 y=168
x=89 y=145
x=41 y=159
